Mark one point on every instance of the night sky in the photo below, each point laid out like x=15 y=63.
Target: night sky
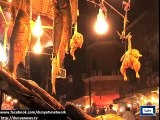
x=86 y=19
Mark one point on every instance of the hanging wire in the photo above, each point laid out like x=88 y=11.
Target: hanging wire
x=102 y=6
x=76 y=26
x=125 y=45
x=114 y=9
x=96 y=4
x=41 y=7
x=92 y=1
x=123 y=36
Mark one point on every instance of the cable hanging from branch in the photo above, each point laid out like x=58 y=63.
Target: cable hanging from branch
x=106 y=3
x=126 y=6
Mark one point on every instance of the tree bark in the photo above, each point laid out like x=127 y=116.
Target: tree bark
x=42 y=93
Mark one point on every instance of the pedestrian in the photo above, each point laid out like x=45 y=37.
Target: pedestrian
x=111 y=111
x=103 y=112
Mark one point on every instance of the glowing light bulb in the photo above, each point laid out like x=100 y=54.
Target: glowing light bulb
x=145 y=101
x=37 y=29
x=37 y=48
x=157 y=100
x=87 y=106
x=153 y=99
x=101 y=25
x=15 y=101
x=129 y=105
x=142 y=98
x=121 y=110
x=3 y=56
x=8 y=98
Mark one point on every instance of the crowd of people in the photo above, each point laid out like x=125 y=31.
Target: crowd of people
x=104 y=110
x=127 y=115
x=11 y=104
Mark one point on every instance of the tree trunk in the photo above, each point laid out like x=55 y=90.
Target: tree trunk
x=42 y=93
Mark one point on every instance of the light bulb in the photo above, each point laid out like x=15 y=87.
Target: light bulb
x=37 y=29
x=87 y=106
x=157 y=100
x=142 y=98
x=153 y=99
x=15 y=101
x=121 y=110
x=129 y=105
x=8 y=99
x=101 y=25
x=37 y=48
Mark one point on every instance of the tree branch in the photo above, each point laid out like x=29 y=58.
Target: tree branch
x=31 y=96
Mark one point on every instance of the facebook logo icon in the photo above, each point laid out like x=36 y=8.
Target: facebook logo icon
x=147 y=110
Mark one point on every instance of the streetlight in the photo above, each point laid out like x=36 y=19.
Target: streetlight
x=101 y=25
